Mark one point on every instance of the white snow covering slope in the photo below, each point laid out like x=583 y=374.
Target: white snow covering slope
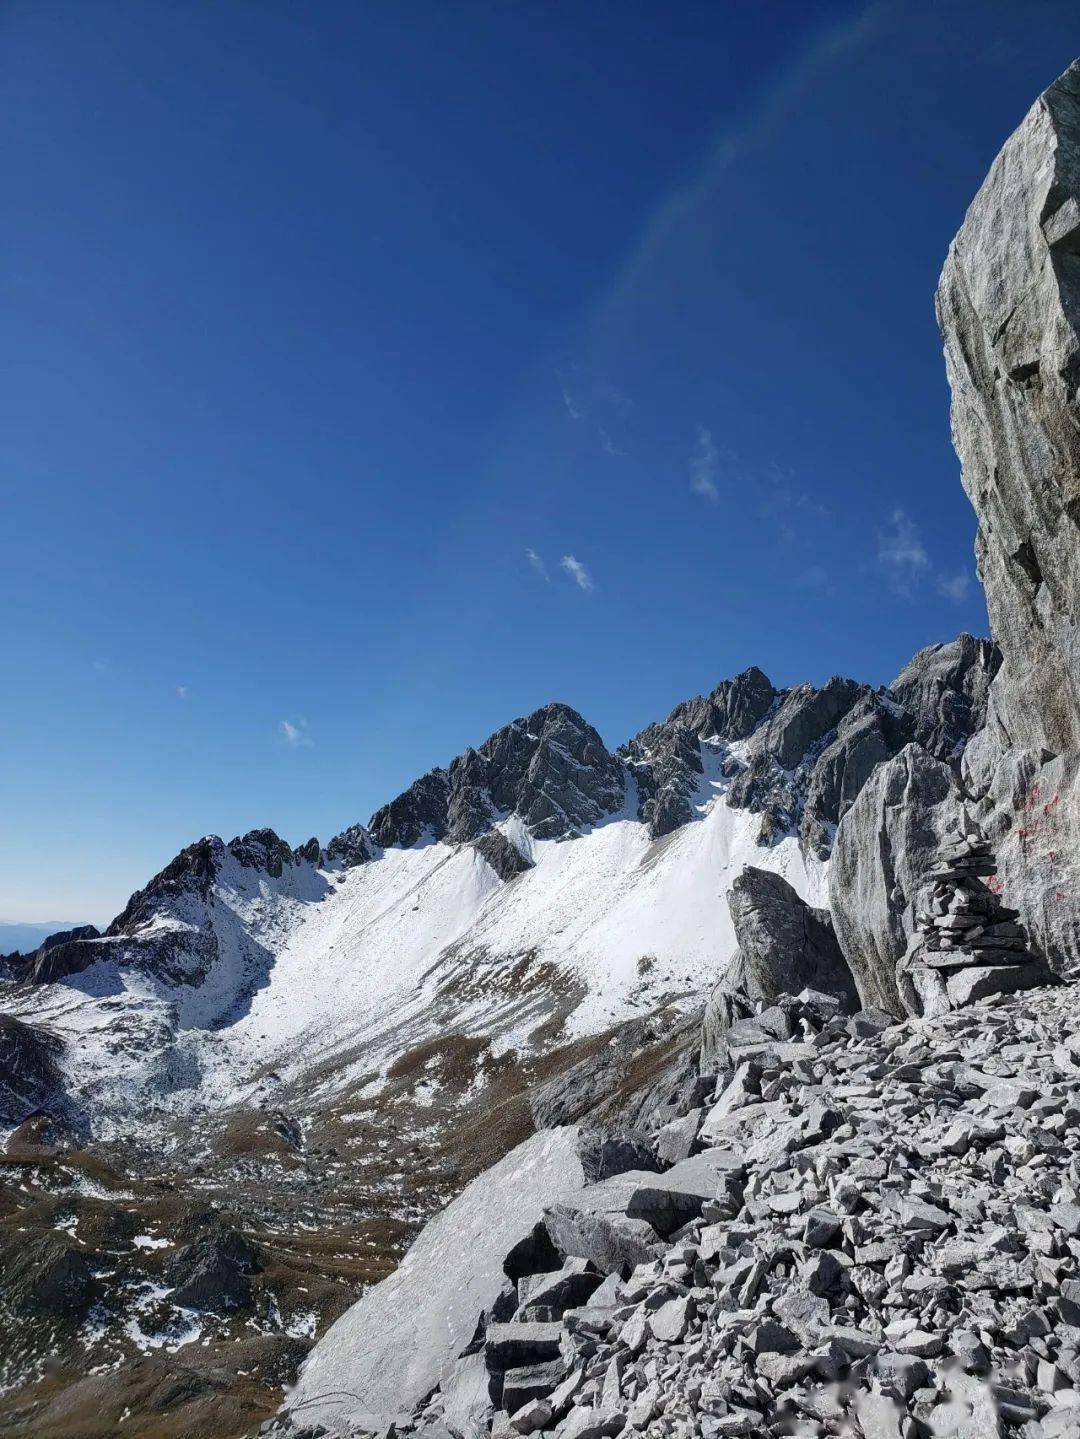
x=343 y=970
x=378 y=953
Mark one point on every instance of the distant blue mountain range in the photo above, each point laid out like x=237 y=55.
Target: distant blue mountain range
x=25 y=938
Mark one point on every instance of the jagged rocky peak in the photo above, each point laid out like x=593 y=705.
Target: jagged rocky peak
x=418 y=813
x=1008 y=304
x=732 y=711
x=351 y=847
x=195 y=869
x=192 y=871
x=550 y=768
x=665 y=759
x=166 y=927
x=811 y=758
x=262 y=849
x=804 y=717
x=945 y=690
x=783 y=753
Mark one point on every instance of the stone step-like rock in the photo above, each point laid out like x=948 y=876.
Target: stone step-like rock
x=515 y=1345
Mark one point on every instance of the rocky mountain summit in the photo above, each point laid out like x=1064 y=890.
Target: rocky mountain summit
x=798 y=758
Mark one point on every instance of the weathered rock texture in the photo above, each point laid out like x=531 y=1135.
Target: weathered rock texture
x=1009 y=309
x=967 y=944
x=391 y=1348
x=784 y=944
x=805 y=753
x=874 y=1233
x=886 y=846
x=30 y=1077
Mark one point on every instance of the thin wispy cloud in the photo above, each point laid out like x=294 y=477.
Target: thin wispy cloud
x=955 y=587
x=574 y=408
x=705 y=467
x=536 y=561
x=296 y=734
x=182 y=692
x=901 y=552
x=607 y=444
x=578 y=573
x=906 y=563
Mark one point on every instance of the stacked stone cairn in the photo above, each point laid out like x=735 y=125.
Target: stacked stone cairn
x=967 y=944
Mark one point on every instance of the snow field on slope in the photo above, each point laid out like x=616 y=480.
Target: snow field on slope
x=364 y=964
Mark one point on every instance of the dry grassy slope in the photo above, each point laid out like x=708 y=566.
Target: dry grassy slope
x=329 y=1218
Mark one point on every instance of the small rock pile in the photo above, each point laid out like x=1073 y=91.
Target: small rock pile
x=875 y=1231
x=967 y=945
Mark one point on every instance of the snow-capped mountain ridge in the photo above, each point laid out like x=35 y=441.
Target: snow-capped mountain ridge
x=539 y=843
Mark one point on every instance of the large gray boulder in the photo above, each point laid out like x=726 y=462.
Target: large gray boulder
x=1009 y=309
x=389 y=1350
x=885 y=847
x=785 y=945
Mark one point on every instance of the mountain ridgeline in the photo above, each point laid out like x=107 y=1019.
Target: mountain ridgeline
x=795 y=757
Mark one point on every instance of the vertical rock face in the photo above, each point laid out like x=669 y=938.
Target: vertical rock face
x=1009 y=309
x=945 y=689
x=886 y=847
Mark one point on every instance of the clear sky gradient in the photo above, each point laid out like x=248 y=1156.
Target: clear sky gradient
x=374 y=373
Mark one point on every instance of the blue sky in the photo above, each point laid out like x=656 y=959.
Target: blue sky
x=375 y=373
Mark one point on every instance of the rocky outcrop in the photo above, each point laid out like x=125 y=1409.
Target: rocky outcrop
x=784 y=944
x=665 y=759
x=732 y=711
x=809 y=750
x=785 y=947
x=352 y=847
x=1009 y=309
x=945 y=690
x=50 y=1278
x=215 y=1272
x=30 y=1077
x=886 y=846
x=171 y=929
x=391 y=1349
x=420 y=811
x=806 y=764
x=550 y=768
x=781 y=758
x=502 y=854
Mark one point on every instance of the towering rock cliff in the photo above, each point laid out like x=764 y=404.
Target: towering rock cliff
x=1009 y=309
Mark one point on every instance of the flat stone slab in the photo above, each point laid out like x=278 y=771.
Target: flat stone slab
x=981 y=981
